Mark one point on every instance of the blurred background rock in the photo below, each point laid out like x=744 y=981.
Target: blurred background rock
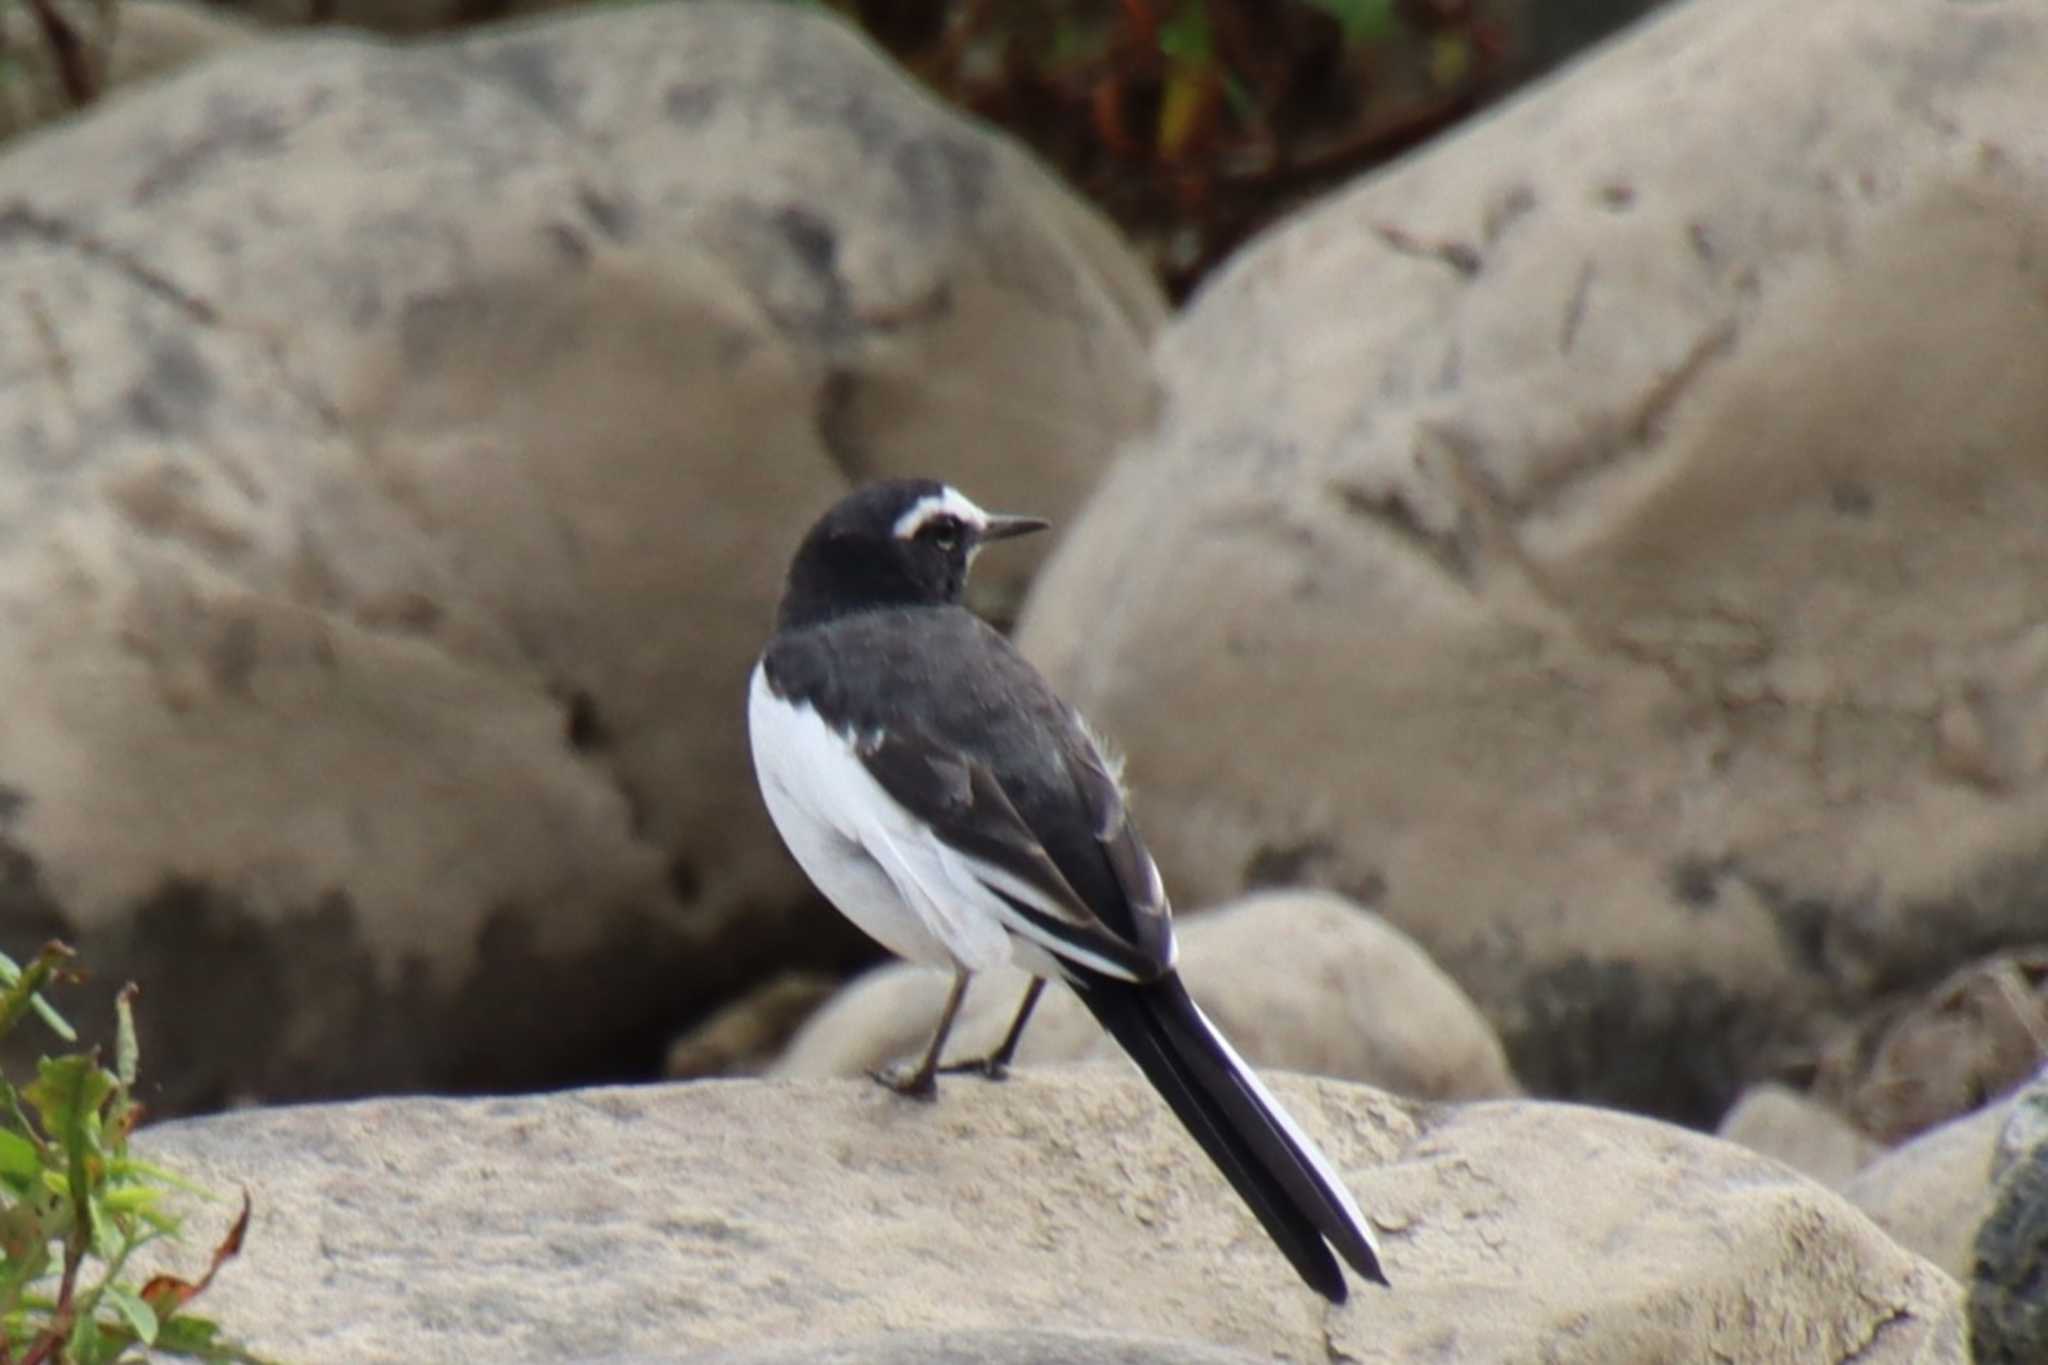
x=1190 y=124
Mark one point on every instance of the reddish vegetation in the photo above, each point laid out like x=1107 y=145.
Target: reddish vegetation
x=1195 y=122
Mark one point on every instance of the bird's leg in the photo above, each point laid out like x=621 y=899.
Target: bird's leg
x=996 y=1065
x=920 y=1082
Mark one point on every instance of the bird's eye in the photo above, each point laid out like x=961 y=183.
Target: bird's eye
x=943 y=532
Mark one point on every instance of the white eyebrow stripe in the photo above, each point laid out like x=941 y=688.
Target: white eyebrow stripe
x=947 y=501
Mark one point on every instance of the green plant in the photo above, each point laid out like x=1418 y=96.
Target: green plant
x=75 y=1207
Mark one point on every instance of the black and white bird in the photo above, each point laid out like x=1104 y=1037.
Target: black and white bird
x=950 y=804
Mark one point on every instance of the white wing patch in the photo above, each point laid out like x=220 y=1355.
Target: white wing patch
x=880 y=866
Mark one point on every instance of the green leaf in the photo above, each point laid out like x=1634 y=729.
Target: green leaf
x=12 y=1099
x=126 y=1051
x=22 y=983
x=85 y=1339
x=1185 y=35
x=67 y=1094
x=19 y=1159
x=1450 y=60
x=135 y=1168
x=1240 y=96
x=132 y=1198
x=139 y=1315
x=55 y=1021
x=103 y=1225
x=1363 y=21
x=27 y=1240
x=165 y=1224
x=185 y=1334
x=199 y=1338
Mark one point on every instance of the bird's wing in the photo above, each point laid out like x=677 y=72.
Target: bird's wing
x=1121 y=930
x=1145 y=917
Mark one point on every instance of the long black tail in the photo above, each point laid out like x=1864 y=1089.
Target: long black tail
x=1270 y=1162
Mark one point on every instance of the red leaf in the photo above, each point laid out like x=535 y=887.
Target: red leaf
x=167 y=1293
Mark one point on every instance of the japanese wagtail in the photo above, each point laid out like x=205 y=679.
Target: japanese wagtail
x=950 y=804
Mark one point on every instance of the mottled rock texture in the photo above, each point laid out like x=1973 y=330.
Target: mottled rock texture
x=744 y=1215
x=1609 y=542
x=404 y=446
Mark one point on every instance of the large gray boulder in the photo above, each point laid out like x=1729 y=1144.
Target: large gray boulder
x=1935 y=1195
x=744 y=1215
x=404 y=448
x=1610 y=542
x=974 y=1346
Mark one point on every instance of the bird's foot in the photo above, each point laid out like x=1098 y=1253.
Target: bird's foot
x=990 y=1068
x=913 y=1083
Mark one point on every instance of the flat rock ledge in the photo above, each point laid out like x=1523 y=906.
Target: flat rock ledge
x=831 y=1221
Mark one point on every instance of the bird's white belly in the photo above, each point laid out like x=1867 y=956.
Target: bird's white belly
x=869 y=856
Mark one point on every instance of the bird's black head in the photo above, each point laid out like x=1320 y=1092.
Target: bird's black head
x=906 y=542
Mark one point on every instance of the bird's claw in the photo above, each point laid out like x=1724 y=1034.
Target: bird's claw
x=990 y=1068
x=913 y=1083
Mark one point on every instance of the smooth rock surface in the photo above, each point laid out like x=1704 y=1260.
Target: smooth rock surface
x=728 y=1214
x=1303 y=982
x=405 y=448
x=990 y=1347
x=1932 y=1193
x=1787 y=1126
x=1610 y=542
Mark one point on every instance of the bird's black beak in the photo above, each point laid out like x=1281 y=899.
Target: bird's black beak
x=1003 y=528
